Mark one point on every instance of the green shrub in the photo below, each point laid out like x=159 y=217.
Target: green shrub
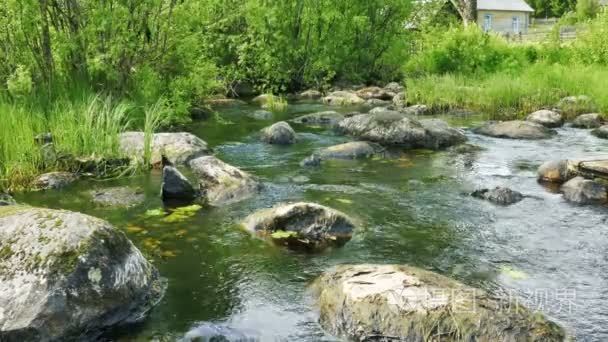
x=19 y=84
x=467 y=51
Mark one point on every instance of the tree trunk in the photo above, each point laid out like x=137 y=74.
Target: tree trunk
x=467 y=10
x=47 y=54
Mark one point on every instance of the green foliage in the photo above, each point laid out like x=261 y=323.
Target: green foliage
x=19 y=84
x=587 y=9
x=466 y=50
x=592 y=45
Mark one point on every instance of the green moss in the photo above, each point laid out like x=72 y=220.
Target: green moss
x=12 y=210
x=6 y=252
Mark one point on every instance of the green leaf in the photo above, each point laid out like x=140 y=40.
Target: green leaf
x=282 y=234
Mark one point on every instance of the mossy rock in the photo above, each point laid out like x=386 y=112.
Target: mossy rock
x=403 y=303
x=63 y=274
x=301 y=225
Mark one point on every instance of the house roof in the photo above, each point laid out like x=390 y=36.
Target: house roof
x=504 y=5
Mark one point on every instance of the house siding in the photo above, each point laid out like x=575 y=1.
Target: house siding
x=502 y=21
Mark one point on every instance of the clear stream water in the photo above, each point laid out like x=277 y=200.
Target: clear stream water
x=412 y=208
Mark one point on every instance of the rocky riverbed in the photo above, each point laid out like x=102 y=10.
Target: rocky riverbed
x=404 y=198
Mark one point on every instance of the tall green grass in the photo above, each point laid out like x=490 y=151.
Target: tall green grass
x=155 y=116
x=512 y=94
x=85 y=128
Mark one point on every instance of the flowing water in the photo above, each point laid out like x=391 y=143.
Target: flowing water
x=412 y=208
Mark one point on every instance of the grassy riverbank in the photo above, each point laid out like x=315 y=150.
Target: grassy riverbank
x=508 y=95
x=466 y=68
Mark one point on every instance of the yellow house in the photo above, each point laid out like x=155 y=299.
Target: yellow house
x=504 y=16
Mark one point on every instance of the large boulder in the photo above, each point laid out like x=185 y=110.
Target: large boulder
x=349 y=150
x=555 y=171
x=375 y=93
x=547 y=118
x=54 y=180
x=68 y=276
x=221 y=183
x=120 y=196
x=560 y=171
x=279 y=133
x=178 y=148
x=175 y=186
x=6 y=199
x=515 y=130
x=440 y=135
x=264 y=99
x=403 y=303
x=394 y=128
x=591 y=120
x=499 y=195
x=342 y=98
x=584 y=191
x=301 y=225
x=327 y=118
x=601 y=132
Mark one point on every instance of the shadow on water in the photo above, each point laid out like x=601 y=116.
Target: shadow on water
x=412 y=208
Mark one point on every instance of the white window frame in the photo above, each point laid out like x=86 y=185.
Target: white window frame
x=487 y=22
x=516 y=24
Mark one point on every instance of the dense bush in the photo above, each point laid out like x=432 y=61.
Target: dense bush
x=185 y=50
x=466 y=51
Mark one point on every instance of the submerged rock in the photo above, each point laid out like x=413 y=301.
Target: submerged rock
x=592 y=120
x=327 y=118
x=584 y=191
x=121 y=196
x=601 y=132
x=178 y=148
x=176 y=186
x=499 y=195
x=221 y=183
x=547 y=118
x=466 y=148
x=515 y=130
x=394 y=128
x=311 y=161
x=67 y=276
x=349 y=150
x=301 y=225
x=54 y=180
x=342 y=98
x=6 y=199
x=403 y=303
x=279 y=133
x=261 y=115
x=209 y=332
